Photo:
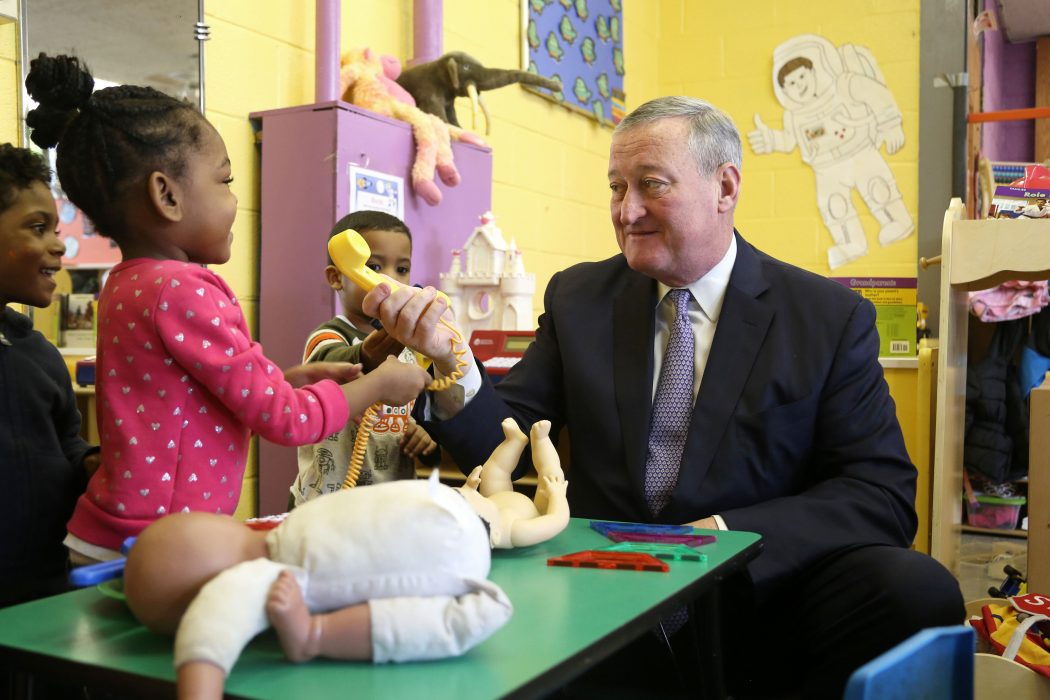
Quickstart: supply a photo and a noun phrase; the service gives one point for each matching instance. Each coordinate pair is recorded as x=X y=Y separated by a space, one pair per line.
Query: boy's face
x=391 y=256
x=30 y=251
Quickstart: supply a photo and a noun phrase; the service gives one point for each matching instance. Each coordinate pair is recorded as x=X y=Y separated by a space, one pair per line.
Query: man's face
x=800 y=85
x=672 y=223
x=30 y=251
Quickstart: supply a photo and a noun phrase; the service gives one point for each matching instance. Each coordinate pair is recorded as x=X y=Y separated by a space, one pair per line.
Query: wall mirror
x=141 y=42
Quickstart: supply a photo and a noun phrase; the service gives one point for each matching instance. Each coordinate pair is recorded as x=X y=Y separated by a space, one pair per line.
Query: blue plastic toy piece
x=94 y=574
x=604 y=527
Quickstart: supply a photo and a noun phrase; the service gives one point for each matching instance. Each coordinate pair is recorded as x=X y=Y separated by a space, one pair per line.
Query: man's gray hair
x=713 y=138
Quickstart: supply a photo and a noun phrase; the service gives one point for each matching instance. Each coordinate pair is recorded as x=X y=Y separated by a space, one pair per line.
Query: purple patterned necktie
x=672 y=408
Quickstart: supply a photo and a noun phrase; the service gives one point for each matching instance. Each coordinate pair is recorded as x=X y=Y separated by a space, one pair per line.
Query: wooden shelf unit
x=980 y=254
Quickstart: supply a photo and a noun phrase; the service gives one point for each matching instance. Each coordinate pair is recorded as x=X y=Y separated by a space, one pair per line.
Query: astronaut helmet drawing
x=838 y=111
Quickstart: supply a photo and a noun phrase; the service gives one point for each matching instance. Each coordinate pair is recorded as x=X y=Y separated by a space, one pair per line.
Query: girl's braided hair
x=108 y=141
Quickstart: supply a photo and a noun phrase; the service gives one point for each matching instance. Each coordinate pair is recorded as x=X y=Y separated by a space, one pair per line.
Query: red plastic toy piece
x=266 y=522
x=629 y=561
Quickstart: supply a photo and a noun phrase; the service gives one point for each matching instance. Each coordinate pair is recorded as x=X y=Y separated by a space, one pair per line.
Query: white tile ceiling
x=141 y=42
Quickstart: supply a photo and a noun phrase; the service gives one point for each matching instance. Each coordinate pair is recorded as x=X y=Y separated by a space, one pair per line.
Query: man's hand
x=416 y=441
x=313 y=372
x=707 y=523
x=413 y=317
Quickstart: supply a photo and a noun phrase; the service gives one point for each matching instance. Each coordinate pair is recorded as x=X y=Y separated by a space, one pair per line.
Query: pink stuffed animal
x=367 y=80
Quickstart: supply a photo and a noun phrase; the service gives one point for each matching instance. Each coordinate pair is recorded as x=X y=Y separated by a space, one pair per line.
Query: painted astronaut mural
x=838 y=111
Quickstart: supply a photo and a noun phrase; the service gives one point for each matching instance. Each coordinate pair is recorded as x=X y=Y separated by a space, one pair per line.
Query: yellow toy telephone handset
x=349 y=252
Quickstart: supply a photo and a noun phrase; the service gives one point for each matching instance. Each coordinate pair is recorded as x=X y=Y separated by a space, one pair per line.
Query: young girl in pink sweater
x=181 y=385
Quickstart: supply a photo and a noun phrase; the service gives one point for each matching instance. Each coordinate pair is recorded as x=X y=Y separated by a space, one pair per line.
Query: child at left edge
x=44 y=463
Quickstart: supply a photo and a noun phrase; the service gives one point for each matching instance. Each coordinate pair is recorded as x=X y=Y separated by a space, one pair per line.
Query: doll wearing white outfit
x=337 y=578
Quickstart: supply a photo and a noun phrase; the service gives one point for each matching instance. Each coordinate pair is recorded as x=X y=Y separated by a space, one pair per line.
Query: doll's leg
x=341 y=634
x=495 y=474
x=545 y=459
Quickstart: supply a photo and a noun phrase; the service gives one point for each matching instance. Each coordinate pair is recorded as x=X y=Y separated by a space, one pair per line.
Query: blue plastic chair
x=933 y=664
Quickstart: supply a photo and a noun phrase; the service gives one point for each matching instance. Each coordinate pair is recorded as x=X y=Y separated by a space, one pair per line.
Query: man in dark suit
x=789 y=431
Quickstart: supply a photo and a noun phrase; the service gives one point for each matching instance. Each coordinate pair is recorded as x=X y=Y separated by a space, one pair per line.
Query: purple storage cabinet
x=306 y=156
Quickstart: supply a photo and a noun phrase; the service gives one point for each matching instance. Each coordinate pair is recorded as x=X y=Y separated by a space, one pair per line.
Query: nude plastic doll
x=340 y=577
x=514 y=520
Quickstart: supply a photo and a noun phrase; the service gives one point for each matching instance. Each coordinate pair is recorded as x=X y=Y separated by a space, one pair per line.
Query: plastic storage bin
x=994 y=512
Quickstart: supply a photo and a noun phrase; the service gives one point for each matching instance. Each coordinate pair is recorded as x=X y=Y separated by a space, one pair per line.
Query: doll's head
x=390 y=243
x=30 y=251
x=176 y=555
x=144 y=167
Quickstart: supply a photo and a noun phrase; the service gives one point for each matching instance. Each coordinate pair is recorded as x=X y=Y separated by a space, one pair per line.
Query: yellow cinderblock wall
x=549 y=189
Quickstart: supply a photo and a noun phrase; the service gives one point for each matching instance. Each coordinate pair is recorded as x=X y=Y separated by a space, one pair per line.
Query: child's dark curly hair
x=19 y=169
x=110 y=141
x=366 y=220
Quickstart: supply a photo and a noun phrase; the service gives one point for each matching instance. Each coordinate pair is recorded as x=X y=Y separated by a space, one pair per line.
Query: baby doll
x=513 y=519
x=338 y=578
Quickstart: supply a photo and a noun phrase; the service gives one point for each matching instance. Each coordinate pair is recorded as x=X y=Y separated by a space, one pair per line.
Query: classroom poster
x=580 y=43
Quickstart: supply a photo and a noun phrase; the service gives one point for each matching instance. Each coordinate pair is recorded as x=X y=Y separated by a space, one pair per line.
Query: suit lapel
x=742 y=327
x=634 y=319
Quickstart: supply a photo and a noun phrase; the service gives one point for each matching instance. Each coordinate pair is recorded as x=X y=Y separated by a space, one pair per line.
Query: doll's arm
x=413 y=629
x=529 y=531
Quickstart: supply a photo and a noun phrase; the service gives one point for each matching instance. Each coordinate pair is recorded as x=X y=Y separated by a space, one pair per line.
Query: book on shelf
x=77 y=321
x=895 y=301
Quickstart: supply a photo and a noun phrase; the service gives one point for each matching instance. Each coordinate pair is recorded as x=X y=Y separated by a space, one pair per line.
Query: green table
x=565 y=621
